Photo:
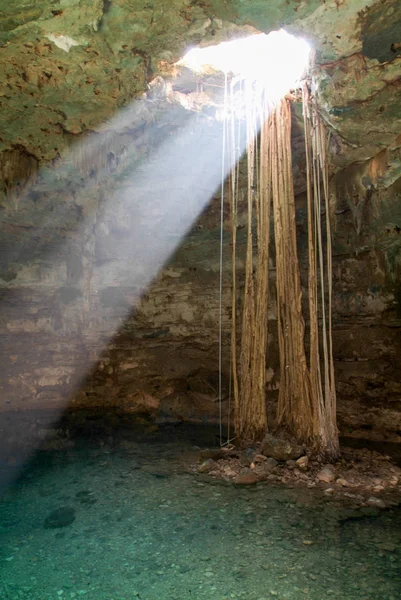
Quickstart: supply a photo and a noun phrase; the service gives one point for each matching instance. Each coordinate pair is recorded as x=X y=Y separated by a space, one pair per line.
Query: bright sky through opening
x=277 y=60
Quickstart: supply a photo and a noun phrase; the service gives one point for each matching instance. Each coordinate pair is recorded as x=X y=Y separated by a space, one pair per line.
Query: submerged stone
x=61 y=517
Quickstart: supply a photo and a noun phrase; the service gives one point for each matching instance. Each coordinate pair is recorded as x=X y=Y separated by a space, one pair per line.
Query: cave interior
x=116 y=292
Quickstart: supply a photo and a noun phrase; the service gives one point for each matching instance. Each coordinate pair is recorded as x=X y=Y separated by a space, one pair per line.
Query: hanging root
x=295 y=404
x=250 y=382
x=325 y=434
x=307 y=399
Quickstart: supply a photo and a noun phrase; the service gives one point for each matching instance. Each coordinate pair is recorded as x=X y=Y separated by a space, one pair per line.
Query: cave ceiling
x=68 y=65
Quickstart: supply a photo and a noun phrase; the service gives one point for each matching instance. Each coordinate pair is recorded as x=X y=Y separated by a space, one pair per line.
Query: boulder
x=280 y=449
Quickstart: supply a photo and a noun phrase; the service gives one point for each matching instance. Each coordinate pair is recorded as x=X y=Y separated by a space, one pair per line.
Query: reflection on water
x=134 y=522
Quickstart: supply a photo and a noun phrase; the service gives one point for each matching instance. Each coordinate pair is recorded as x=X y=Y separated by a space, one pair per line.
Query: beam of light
x=160 y=198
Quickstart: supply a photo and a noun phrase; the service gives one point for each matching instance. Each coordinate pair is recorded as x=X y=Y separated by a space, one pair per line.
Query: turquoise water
x=137 y=523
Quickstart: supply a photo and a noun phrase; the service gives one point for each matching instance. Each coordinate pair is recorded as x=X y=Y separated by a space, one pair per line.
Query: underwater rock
x=86 y=497
x=61 y=517
x=279 y=449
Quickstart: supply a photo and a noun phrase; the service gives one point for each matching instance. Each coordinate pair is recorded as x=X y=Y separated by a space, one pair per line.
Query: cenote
x=200 y=266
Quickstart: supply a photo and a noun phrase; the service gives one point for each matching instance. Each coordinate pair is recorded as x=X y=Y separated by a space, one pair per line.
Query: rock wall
x=80 y=301
x=82 y=242
x=367 y=300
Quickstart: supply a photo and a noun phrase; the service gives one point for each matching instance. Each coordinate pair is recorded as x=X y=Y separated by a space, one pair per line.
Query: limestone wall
x=83 y=326
x=83 y=320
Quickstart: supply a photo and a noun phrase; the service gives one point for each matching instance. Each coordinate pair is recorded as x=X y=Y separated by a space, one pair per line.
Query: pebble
x=271 y=463
x=259 y=458
x=302 y=463
x=349 y=495
x=376 y=502
x=299 y=475
x=246 y=479
x=342 y=482
x=327 y=474
x=229 y=472
x=207 y=466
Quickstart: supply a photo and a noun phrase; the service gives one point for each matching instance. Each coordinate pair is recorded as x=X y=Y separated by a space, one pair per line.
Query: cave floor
x=133 y=522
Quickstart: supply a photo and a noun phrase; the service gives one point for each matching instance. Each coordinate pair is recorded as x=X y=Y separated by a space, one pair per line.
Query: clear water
x=147 y=528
